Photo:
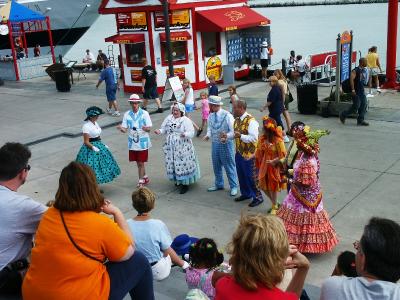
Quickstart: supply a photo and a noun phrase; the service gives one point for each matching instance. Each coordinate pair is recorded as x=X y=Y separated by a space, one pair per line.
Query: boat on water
x=69 y=22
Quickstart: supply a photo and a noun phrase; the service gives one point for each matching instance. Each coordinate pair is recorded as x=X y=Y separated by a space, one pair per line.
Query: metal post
x=338 y=60
x=351 y=52
x=168 y=38
x=391 y=45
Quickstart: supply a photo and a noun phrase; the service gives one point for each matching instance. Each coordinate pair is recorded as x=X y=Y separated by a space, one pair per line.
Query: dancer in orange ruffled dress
x=270 y=150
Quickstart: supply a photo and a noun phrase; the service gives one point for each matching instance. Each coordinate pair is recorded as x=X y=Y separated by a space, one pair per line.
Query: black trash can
x=62 y=80
x=307 y=98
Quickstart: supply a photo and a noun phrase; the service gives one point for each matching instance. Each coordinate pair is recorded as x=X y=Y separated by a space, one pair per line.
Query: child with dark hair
x=204 y=258
x=346 y=265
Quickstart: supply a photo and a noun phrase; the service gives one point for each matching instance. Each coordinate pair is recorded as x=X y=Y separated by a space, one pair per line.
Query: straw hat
x=135 y=98
x=215 y=100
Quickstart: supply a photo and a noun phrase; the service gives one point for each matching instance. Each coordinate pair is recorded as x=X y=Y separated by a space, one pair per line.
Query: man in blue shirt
x=110 y=77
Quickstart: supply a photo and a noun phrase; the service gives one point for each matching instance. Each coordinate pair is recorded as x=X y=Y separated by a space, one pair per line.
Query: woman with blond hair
x=82 y=254
x=282 y=82
x=260 y=253
x=275 y=104
x=188 y=100
x=233 y=97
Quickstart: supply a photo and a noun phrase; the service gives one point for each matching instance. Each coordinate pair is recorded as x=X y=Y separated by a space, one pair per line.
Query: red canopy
x=225 y=19
x=126 y=38
x=176 y=36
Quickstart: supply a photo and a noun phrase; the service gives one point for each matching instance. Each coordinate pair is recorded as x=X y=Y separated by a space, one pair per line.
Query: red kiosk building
x=205 y=35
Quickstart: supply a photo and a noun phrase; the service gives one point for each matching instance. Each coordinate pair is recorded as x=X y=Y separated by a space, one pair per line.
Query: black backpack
x=346 y=87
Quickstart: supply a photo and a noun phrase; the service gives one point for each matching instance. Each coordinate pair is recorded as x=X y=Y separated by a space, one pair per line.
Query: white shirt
x=189 y=97
x=138 y=139
x=358 y=288
x=252 y=135
x=93 y=130
x=264 y=52
x=88 y=58
x=230 y=121
x=172 y=125
x=301 y=65
x=19 y=219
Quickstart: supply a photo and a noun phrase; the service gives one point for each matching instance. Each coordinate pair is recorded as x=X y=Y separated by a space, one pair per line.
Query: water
x=305 y=29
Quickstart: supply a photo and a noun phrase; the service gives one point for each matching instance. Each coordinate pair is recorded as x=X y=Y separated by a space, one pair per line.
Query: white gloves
x=185 y=265
x=95 y=149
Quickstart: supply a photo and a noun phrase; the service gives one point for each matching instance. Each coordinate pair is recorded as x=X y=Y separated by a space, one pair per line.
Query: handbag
x=76 y=246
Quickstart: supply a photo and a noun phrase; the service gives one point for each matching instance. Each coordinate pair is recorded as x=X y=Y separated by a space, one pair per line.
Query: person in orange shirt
x=270 y=149
x=82 y=254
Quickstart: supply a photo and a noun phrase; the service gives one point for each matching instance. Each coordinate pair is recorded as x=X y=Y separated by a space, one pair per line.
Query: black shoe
x=241 y=198
x=160 y=110
x=101 y=191
x=255 y=202
x=342 y=118
x=362 y=123
x=184 y=189
x=199 y=132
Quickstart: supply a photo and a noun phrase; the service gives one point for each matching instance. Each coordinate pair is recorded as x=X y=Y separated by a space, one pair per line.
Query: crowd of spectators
x=81 y=247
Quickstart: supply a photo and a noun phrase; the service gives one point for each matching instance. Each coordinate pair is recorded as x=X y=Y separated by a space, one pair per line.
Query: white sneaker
x=116 y=114
x=109 y=111
x=378 y=90
x=370 y=95
x=286 y=139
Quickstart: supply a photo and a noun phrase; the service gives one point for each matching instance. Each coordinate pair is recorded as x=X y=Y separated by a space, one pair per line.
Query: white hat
x=215 y=100
x=135 y=98
x=180 y=106
x=264 y=44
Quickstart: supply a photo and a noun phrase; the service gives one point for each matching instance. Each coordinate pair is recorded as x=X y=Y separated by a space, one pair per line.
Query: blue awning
x=16 y=12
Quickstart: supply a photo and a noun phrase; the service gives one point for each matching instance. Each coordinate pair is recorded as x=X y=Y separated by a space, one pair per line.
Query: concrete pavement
x=360 y=166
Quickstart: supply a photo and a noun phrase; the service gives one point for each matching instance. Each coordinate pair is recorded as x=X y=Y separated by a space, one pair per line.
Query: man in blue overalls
x=220 y=131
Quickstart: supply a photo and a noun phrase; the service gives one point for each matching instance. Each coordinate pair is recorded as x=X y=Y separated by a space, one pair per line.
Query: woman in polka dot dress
x=93 y=152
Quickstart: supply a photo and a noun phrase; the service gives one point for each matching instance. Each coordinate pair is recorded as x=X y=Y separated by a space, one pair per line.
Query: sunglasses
x=28 y=167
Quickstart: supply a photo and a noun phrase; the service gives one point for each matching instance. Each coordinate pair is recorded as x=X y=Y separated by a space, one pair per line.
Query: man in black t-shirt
x=149 y=86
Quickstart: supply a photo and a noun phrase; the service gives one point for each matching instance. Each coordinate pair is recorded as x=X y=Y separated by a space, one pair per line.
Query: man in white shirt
x=377 y=264
x=246 y=138
x=264 y=59
x=89 y=58
x=301 y=66
x=220 y=131
x=138 y=124
x=19 y=217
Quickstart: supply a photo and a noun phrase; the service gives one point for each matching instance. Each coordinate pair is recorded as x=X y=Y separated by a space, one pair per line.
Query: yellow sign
x=180 y=72
x=136 y=75
x=132 y=21
x=178 y=19
x=214 y=67
x=139 y=19
x=231 y=28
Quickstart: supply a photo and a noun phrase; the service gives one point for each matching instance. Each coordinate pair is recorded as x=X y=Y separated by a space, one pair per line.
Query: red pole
x=53 y=56
x=24 y=35
x=10 y=34
x=391 y=75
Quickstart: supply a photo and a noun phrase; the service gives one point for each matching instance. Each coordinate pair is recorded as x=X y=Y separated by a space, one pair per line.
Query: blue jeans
x=278 y=120
x=133 y=276
x=359 y=106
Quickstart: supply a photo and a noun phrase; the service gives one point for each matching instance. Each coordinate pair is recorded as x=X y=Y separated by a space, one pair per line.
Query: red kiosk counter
x=205 y=35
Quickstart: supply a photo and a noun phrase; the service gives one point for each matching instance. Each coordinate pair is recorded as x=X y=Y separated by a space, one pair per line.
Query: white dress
x=180 y=158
